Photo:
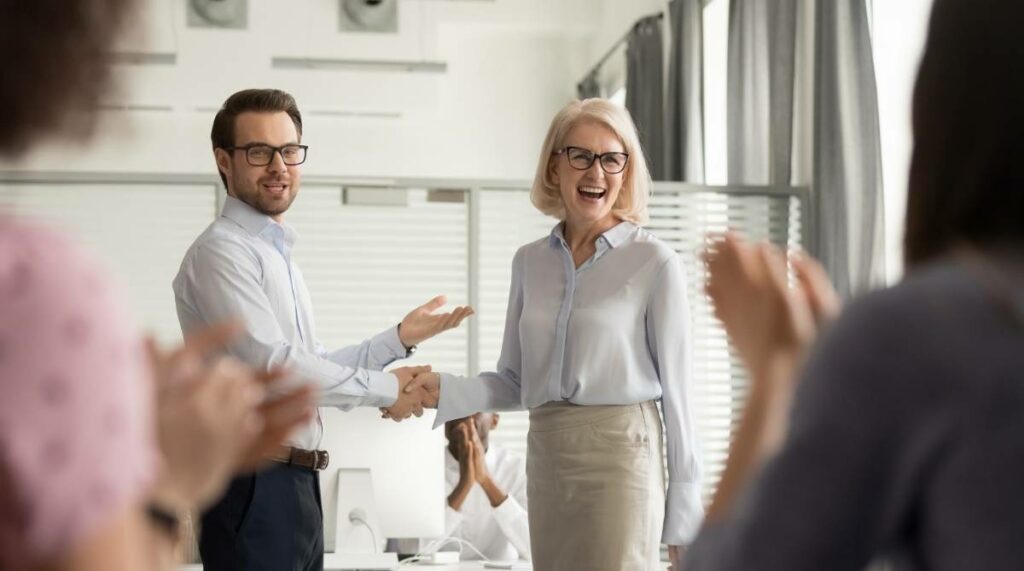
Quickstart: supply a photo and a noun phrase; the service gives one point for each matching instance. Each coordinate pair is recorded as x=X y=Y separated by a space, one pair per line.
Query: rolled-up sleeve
x=670 y=347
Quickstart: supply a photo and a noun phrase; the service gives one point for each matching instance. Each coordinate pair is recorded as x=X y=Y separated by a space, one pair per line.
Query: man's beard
x=254 y=197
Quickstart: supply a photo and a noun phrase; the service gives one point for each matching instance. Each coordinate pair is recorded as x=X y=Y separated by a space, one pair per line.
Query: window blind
x=140 y=230
x=683 y=219
x=369 y=262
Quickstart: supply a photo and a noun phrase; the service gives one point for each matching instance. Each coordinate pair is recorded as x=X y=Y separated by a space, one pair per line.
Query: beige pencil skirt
x=595 y=487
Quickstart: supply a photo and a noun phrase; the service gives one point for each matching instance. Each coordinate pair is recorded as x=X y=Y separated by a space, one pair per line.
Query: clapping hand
x=472 y=465
x=479 y=456
x=767 y=321
x=466 y=454
x=212 y=417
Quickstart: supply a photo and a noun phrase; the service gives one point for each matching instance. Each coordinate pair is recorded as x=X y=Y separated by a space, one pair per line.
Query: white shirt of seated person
x=501 y=532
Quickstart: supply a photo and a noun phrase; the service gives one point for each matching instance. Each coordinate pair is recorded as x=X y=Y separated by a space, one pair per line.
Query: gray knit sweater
x=906 y=440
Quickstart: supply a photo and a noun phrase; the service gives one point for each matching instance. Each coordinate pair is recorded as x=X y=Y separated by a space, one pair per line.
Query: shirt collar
x=619 y=234
x=614 y=236
x=257 y=223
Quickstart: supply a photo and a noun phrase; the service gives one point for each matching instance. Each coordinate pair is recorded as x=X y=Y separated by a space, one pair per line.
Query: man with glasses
x=241 y=268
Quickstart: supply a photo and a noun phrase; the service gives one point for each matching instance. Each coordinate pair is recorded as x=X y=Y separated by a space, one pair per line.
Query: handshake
x=418 y=388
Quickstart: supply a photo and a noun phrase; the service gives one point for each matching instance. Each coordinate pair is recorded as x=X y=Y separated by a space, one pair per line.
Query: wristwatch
x=409 y=351
x=165 y=520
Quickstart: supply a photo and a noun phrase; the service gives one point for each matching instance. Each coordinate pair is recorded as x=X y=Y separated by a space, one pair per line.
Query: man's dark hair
x=56 y=69
x=967 y=171
x=250 y=100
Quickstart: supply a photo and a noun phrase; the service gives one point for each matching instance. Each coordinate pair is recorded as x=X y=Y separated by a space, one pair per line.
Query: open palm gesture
x=422 y=323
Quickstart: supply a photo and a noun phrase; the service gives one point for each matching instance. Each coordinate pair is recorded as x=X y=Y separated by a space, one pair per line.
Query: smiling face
x=269 y=189
x=590 y=194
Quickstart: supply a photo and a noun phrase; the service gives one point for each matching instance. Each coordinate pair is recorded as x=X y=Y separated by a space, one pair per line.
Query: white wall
x=511 y=65
x=899 y=34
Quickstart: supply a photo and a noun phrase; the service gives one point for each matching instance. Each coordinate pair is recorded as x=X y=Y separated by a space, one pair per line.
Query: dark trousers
x=271 y=520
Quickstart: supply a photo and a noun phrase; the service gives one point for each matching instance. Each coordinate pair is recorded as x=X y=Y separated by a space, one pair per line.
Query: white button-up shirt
x=614 y=331
x=240 y=268
x=500 y=533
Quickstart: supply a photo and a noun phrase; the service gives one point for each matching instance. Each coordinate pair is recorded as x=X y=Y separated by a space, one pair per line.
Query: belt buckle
x=322 y=459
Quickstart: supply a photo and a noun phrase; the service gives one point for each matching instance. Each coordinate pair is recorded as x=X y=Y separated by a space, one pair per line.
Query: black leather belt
x=309 y=459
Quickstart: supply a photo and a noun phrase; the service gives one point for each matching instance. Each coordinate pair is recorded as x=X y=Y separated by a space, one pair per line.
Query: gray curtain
x=748 y=101
x=847 y=150
x=644 y=85
x=761 y=64
x=684 y=109
x=589 y=87
x=847 y=176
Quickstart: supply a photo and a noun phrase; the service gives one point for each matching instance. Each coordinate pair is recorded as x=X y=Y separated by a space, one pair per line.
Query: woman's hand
x=813 y=282
x=771 y=326
x=213 y=419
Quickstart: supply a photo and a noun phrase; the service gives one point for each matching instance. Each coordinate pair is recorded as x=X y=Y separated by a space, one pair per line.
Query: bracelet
x=166 y=521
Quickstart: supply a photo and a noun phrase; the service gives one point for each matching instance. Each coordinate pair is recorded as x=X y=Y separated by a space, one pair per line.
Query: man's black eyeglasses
x=260 y=155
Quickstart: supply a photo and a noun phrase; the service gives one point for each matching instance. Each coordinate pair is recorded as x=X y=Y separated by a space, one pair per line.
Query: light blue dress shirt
x=240 y=268
x=612 y=332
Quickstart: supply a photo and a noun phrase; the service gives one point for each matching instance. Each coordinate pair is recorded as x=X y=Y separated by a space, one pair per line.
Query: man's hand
x=422 y=323
x=495 y=494
x=465 y=454
x=425 y=384
x=410 y=401
x=407 y=374
x=430 y=383
x=480 y=471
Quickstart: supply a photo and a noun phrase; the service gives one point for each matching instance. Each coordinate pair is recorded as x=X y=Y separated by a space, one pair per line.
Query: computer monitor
x=406 y=462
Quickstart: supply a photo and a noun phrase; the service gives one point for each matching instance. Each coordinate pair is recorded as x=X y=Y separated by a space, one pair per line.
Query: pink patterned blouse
x=77 y=443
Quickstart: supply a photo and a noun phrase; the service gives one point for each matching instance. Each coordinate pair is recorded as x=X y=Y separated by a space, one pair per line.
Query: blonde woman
x=595 y=334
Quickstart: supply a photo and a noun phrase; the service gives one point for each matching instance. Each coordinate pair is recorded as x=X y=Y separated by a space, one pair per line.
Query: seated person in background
x=486 y=489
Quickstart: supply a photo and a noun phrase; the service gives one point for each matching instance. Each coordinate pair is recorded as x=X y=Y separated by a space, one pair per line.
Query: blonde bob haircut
x=631 y=203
